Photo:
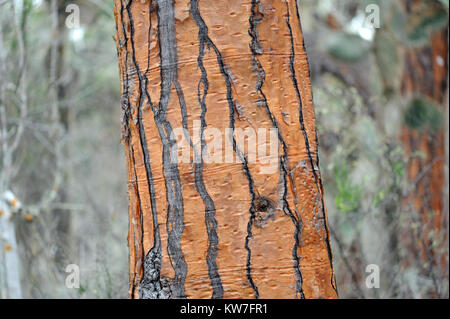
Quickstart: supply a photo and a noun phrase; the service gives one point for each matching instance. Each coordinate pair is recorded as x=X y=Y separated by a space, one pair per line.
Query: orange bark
x=221 y=230
x=426 y=74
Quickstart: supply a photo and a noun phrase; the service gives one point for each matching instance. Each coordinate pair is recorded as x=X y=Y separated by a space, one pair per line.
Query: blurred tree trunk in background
x=385 y=216
x=59 y=116
x=10 y=266
x=223 y=230
x=424 y=85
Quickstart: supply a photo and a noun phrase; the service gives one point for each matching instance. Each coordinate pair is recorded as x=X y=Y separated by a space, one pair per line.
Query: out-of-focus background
x=379 y=72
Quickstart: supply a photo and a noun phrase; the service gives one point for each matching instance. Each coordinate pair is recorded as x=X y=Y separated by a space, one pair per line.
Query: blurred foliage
x=357 y=74
x=93 y=154
x=423 y=113
x=348 y=47
x=348 y=196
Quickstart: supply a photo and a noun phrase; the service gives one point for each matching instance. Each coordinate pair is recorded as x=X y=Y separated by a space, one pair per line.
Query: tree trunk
x=244 y=226
x=9 y=257
x=426 y=75
x=60 y=120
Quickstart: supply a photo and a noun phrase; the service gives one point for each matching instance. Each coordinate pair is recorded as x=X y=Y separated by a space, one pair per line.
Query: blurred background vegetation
x=381 y=101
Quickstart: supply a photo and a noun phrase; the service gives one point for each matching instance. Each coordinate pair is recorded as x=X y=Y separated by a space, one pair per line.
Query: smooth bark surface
x=220 y=230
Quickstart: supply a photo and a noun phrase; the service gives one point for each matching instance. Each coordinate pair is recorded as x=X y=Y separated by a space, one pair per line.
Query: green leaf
x=396 y=19
x=347 y=47
x=423 y=113
x=419 y=36
x=421 y=26
x=348 y=195
x=416 y=114
x=434 y=22
x=388 y=59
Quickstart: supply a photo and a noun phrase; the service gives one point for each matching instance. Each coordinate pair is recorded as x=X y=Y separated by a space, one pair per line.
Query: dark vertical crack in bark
x=210 y=211
x=203 y=30
x=255 y=47
x=152 y=257
x=125 y=120
x=317 y=179
x=140 y=258
x=152 y=285
x=175 y=209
